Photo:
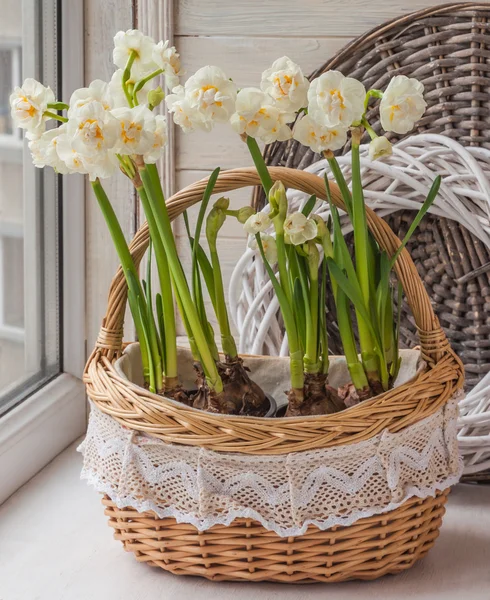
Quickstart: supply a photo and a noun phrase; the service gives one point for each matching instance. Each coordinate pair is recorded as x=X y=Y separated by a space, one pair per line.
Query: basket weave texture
x=384 y=544
x=447 y=49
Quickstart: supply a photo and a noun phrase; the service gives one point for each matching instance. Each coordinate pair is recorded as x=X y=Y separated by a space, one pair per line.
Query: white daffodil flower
x=93 y=129
x=44 y=150
x=335 y=100
x=258 y=116
x=298 y=229
x=97 y=91
x=184 y=115
x=101 y=166
x=116 y=91
x=167 y=58
x=136 y=132
x=284 y=81
x=269 y=245
x=319 y=137
x=212 y=94
x=159 y=140
x=402 y=104
x=379 y=147
x=256 y=223
x=133 y=40
x=28 y=105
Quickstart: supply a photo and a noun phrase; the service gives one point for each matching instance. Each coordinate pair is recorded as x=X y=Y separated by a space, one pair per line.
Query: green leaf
x=196 y=276
x=354 y=296
x=187 y=225
x=287 y=312
x=341 y=182
x=309 y=206
x=397 y=360
x=299 y=312
x=382 y=292
x=161 y=324
x=431 y=196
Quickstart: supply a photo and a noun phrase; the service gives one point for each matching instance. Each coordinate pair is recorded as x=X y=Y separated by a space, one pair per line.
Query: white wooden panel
x=306 y=18
x=103 y=18
x=232 y=228
x=244 y=58
x=221 y=147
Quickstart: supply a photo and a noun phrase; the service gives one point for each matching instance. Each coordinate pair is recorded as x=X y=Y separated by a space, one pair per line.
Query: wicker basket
x=371 y=547
x=446 y=48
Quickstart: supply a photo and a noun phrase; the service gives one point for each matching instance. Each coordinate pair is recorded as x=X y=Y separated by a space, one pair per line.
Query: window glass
x=29 y=213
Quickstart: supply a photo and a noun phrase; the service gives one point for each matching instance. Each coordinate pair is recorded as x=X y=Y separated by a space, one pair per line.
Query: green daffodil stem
x=312 y=364
x=372 y=134
x=371 y=94
x=127 y=265
x=259 y=163
x=165 y=287
x=279 y=206
x=125 y=77
x=140 y=84
x=336 y=252
x=52 y=115
x=151 y=183
x=362 y=255
x=214 y=222
x=295 y=350
x=327 y=247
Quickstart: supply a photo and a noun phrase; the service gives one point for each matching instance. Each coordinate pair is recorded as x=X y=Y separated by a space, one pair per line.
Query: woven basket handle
x=432 y=338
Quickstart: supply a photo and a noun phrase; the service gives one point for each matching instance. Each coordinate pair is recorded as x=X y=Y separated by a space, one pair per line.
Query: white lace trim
x=285 y=493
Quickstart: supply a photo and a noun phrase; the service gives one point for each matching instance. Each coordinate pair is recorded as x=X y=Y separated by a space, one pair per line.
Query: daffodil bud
x=313 y=256
x=380 y=147
x=320 y=225
x=155 y=97
x=244 y=213
x=278 y=201
x=215 y=220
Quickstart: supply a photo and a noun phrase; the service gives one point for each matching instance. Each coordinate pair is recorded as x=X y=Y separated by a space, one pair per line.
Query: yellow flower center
x=393 y=109
x=283 y=80
x=336 y=95
x=207 y=99
x=30 y=109
x=129 y=135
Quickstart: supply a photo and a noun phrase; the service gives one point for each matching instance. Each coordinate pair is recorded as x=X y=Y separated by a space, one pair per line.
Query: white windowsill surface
x=55 y=545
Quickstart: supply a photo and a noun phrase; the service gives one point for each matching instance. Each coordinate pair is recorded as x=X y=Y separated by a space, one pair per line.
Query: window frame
x=54 y=415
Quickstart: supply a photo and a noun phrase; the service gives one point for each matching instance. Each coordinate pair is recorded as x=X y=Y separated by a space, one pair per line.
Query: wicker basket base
x=245 y=550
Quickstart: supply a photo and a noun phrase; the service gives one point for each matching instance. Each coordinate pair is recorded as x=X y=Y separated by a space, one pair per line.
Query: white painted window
x=42 y=405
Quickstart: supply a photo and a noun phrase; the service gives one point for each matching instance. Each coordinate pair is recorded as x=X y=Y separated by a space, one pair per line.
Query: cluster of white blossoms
x=298 y=229
x=106 y=120
x=264 y=113
x=336 y=103
x=328 y=107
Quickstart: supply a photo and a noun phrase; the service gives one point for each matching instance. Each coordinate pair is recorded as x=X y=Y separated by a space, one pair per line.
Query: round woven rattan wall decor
x=447 y=48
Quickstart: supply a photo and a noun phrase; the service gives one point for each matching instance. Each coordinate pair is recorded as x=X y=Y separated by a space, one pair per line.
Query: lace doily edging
x=226 y=515
x=200 y=524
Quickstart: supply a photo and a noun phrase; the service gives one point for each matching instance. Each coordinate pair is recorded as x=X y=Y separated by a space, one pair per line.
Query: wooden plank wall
x=243 y=37
x=102 y=19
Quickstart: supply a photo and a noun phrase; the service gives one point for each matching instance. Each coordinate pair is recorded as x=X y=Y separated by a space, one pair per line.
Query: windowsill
x=60 y=548
x=37 y=430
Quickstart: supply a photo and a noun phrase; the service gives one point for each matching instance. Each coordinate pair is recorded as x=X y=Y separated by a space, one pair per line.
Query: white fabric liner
x=285 y=493
x=270 y=372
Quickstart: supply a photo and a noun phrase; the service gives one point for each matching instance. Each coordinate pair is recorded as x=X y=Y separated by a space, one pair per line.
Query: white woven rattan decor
x=398 y=182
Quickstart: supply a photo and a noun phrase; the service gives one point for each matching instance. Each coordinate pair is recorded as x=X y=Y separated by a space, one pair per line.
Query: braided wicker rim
x=245 y=551
x=138 y=409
